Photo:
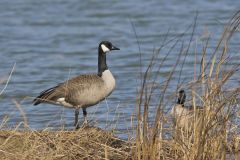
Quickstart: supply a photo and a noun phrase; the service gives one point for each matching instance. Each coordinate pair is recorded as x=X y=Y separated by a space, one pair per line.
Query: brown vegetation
x=85 y=143
x=214 y=134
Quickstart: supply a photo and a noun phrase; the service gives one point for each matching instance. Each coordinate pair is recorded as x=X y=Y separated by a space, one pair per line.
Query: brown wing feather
x=67 y=89
x=49 y=96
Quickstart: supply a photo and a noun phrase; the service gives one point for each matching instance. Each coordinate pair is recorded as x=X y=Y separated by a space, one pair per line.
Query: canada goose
x=183 y=115
x=85 y=90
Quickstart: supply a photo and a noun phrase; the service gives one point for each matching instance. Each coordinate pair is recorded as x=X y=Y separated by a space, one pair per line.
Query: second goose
x=85 y=90
x=183 y=115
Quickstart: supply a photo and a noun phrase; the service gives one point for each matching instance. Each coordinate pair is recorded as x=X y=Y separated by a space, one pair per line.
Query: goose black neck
x=181 y=97
x=102 y=65
x=180 y=101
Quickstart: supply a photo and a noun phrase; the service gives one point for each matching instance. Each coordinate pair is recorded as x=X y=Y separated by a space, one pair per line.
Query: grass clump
x=213 y=134
x=85 y=143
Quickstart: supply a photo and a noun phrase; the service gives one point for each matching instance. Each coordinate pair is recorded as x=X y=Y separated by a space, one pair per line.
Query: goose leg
x=76 y=124
x=85 y=116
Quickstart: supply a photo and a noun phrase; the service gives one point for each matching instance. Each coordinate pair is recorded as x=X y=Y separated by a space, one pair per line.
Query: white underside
x=62 y=102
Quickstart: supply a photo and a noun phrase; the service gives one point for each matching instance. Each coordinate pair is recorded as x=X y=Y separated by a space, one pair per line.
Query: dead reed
x=85 y=143
x=211 y=135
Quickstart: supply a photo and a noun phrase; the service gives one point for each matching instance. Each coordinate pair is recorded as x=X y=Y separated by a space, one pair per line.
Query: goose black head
x=181 y=97
x=106 y=46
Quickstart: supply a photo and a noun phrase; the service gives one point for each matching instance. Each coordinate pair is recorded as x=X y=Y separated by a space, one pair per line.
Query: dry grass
x=214 y=134
x=85 y=143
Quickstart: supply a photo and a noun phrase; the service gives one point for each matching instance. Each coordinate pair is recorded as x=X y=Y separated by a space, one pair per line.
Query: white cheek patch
x=104 y=48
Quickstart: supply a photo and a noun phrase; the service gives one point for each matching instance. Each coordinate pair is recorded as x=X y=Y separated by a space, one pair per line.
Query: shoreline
x=88 y=142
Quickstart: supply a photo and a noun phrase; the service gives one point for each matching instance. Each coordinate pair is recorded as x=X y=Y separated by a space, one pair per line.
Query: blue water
x=51 y=41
